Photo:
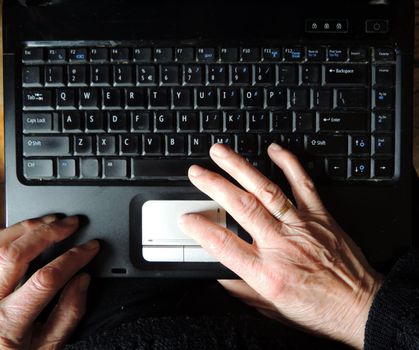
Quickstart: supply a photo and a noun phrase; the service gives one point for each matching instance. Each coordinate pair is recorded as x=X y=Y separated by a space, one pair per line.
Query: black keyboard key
x=247 y=144
x=152 y=145
x=182 y=98
x=142 y=54
x=72 y=121
x=250 y=54
x=358 y=55
x=281 y=121
x=318 y=145
x=341 y=121
x=383 y=144
x=351 y=98
x=315 y=54
x=211 y=121
x=321 y=98
x=293 y=54
x=257 y=121
x=337 y=167
x=89 y=168
x=88 y=98
x=193 y=74
x=266 y=140
x=111 y=98
x=56 y=55
x=346 y=74
x=361 y=144
x=140 y=122
x=100 y=75
x=298 y=98
x=115 y=168
x=123 y=75
x=45 y=146
x=383 y=98
x=94 y=121
x=252 y=97
x=159 y=98
x=175 y=145
x=241 y=74
x=77 y=75
x=100 y=54
x=54 y=76
x=117 y=121
x=135 y=98
x=264 y=74
x=169 y=75
x=272 y=54
x=83 y=145
x=383 y=121
x=229 y=54
x=217 y=74
x=66 y=98
x=384 y=54
x=146 y=75
x=206 y=97
x=384 y=75
x=223 y=139
x=32 y=55
x=384 y=168
x=37 y=99
x=128 y=145
x=164 y=121
x=234 y=121
x=276 y=97
x=163 y=54
x=360 y=168
x=37 y=122
x=78 y=55
x=229 y=98
x=206 y=54
x=31 y=76
x=198 y=145
x=187 y=121
x=120 y=54
x=310 y=74
x=304 y=121
x=105 y=145
x=288 y=74
x=66 y=168
x=38 y=168
x=337 y=54
x=185 y=54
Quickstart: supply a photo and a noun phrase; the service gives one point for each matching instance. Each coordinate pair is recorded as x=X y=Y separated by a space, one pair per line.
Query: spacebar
x=176 y=169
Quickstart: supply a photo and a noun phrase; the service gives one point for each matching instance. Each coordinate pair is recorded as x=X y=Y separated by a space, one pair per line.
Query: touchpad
x=163 y=241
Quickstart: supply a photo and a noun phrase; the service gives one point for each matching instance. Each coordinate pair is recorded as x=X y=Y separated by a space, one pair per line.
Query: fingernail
x=219 y=151
x=84 y=282
x=47 y=219
x=94 y=244
x=196 y=170
x=70 y=220
x=275 y=147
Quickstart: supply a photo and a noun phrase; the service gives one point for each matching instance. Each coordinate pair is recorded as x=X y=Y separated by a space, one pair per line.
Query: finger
x=268 y=193
x=23 y=306
x=16 y=256
x=241 y=205
x=302 y=186
x=66 y=315
x=11 y=233
x=233 y=252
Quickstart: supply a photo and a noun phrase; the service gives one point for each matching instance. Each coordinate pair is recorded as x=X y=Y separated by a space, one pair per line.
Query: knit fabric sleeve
x=393 y=320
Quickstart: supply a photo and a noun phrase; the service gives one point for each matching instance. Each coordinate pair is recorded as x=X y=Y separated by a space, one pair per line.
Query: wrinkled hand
x=302 y=269
x=19 y=245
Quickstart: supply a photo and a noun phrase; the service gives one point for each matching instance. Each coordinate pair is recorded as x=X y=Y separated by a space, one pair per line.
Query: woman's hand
x=19 y=245
x=301 y=269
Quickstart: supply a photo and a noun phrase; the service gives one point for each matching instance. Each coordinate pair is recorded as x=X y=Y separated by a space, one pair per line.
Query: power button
x=377 y=26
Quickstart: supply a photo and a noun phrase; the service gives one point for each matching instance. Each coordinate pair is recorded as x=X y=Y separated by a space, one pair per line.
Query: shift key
x=327 y=144
x=46 y=146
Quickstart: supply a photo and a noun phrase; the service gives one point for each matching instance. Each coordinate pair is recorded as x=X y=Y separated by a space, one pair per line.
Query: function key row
x=205 y=54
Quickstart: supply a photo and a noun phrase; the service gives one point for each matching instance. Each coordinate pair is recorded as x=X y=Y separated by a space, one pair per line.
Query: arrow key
x=336 y=168
x=384 y=168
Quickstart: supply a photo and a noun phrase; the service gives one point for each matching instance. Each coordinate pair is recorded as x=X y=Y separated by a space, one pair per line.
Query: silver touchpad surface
x=163 y=241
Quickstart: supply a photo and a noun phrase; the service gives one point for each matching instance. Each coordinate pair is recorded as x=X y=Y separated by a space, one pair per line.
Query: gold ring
x=278 y=214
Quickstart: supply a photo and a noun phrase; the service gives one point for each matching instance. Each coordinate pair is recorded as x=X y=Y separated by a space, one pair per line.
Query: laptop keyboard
x=147 y=113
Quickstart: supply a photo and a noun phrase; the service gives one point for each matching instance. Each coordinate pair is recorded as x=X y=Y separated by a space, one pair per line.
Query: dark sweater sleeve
x=393 y=320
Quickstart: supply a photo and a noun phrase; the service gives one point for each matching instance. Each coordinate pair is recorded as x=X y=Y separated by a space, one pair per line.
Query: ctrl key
x=38 y=169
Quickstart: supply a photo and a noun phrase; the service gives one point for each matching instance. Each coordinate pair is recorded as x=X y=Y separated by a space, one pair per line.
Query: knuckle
x=47 y=278
x=269 y=193
x=31 y=224
x=10 y=254
x=8 y=344
x=307 y=184
x=247 y=205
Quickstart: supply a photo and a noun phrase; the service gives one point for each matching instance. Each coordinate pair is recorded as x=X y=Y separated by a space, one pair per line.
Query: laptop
x=107 y=104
